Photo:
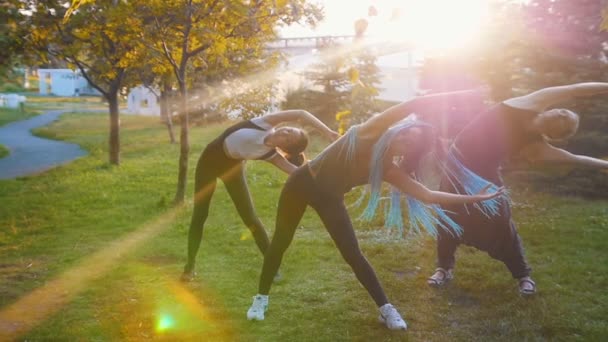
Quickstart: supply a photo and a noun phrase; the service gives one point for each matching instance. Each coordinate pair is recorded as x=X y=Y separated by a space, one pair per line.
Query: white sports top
x=248 y=143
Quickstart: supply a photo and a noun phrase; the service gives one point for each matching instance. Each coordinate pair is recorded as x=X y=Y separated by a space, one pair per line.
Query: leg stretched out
x=299 y=192
x=204 y=185
x=236 y=185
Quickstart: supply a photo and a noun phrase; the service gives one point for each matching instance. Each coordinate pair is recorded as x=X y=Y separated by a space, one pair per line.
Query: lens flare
x=246 y=235
x=165 y=322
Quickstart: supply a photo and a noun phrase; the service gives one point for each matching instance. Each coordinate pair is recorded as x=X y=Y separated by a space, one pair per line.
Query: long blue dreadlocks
x=422 y=217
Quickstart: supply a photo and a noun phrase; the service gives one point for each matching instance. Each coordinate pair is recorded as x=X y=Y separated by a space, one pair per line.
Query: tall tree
x=365 y=82
x=241 y=83
x=12 y=31
x=331 y=77
x=156 y=75
x=346 y=83
x=190 y=33
x=97 y=40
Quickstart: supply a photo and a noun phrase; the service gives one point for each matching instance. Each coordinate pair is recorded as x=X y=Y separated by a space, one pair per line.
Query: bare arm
x=407 y=184
x=279 y=161
x=424 y=107
x=303 y=117
x=544 y=152
x=541 y=99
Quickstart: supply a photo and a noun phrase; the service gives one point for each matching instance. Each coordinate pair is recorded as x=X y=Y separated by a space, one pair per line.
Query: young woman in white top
x=224 y=158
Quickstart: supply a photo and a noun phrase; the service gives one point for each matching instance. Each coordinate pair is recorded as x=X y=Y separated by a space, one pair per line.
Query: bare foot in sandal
x=440 y=277
x=527 y=286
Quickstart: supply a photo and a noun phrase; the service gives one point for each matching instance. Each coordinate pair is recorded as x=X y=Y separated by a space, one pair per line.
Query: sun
x=435 y=25
x=432 y=24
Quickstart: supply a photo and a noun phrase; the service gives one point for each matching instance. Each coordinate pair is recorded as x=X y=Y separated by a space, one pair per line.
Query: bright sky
x=427 y=23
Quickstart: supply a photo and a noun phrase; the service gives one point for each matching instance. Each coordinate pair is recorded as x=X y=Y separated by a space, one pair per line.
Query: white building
x=142 y=101
x=11 y=100
x=63 y=82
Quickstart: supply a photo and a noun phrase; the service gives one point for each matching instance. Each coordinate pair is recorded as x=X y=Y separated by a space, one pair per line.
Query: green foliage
x=366 y=88
x=210 y=39
x=12 y=87
x=304 y=98
x=345 y=80
x=4 y=151
x=332 y=81
x=97 y=39
x=12 y=44
x=249 y=103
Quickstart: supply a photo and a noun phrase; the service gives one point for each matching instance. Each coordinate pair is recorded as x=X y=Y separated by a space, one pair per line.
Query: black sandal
x=524 y=291
x=187 y=277
x=439 y=282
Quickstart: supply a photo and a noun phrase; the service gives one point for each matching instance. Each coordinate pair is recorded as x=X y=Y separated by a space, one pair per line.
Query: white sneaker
x=258 y=308
x=392 y=318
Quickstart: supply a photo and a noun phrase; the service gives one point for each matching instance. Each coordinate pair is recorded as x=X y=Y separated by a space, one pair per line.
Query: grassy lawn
x=96 y=251
x=36 y=104
x=35 y=101
x=8 y=115
x=3 y=151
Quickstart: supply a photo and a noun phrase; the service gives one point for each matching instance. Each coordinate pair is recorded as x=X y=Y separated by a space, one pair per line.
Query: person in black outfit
x=225 y=157
x=346 y=163
x=520 y=125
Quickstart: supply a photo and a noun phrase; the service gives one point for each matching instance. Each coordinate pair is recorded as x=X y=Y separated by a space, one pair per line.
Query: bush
x=11 y=88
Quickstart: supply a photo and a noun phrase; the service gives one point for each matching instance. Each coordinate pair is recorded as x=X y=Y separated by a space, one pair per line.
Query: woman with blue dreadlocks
x=521 y=125
x=371 y=152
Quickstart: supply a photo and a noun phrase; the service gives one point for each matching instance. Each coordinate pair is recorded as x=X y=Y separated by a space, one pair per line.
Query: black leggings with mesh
x=496 y=235
x=300 y=191
x=214 y=164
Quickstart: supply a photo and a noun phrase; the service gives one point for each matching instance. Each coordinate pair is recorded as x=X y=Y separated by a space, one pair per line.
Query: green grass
x=38 y=102
x=8 y=115
x=4 y=151
x=54 y=222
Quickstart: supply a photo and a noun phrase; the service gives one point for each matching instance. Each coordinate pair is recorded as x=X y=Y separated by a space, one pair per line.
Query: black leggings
x=299 y=191
x=214 y=164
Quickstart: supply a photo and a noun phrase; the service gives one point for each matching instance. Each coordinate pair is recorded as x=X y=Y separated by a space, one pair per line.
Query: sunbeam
x=38 y=305
x=242 y=85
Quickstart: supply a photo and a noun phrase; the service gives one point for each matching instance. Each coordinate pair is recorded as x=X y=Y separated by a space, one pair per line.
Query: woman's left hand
x=485 y=193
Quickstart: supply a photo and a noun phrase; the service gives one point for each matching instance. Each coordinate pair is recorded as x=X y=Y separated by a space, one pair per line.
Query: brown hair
x=295 y=152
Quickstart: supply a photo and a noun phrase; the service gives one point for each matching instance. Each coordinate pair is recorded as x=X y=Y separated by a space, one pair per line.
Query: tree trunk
x=184 y=147
x=114 y=128
x=165 y=111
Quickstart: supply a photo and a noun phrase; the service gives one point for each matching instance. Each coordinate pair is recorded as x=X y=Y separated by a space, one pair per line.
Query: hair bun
x=296 y=159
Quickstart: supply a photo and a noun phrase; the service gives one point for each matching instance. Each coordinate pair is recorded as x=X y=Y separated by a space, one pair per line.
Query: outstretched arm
x=279 y=161
x=544 y=152
x=424 y=107
x=407 y=184
x=541 y=99
x=303 y=117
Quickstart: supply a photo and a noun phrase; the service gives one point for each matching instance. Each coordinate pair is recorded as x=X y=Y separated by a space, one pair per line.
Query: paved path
x=30 y=154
